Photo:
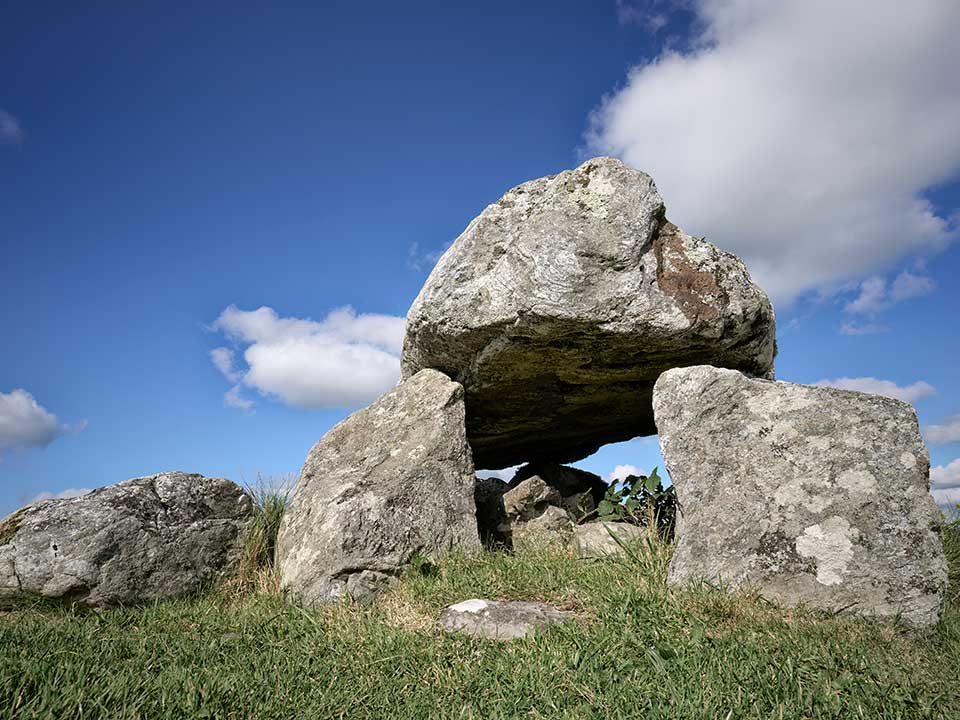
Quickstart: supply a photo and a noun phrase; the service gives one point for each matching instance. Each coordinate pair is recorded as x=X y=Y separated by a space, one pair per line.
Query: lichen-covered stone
x=810 y=494
x=160 y=536
x=391 y=481
x=560 y=305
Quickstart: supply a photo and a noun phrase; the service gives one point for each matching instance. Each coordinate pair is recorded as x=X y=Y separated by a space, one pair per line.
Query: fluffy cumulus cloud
x=943 y=433
x=621 y=472
x=344 y=360
x=945 y=485
x=10 y=131
x=25 y=423
x=908 y=393
x=801 y=134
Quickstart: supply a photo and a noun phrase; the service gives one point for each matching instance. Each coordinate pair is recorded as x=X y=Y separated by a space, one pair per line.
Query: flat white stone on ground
x=501 y=619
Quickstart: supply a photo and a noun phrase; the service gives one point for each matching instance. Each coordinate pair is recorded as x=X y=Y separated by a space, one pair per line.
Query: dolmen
x=569 y=314
x=572 y=313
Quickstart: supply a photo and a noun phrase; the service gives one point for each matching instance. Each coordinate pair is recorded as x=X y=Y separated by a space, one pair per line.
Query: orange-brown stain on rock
x=695 y=291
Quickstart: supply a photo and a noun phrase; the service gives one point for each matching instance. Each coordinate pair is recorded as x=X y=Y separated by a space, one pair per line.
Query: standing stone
x=160 y=536
x=391 y=481
x=810 y=494
x=560 y=305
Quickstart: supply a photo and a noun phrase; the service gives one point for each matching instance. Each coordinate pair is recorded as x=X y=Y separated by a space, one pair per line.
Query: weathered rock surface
x=500 y=619
x=392 y=480
x=532 y=504
x=530 y=498
x=599 y=539
x=160 y=536
x=553 y=518
x=810 y=494
x=560 y=305
x=567 y=480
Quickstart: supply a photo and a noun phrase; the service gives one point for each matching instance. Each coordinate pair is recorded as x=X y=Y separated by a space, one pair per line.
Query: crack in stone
x=13 y=566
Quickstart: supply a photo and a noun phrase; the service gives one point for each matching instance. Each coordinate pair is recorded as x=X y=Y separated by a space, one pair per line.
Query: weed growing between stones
x=641 y=500
x=256 y=568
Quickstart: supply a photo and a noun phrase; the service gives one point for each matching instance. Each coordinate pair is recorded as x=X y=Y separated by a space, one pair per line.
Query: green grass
x=641 y=651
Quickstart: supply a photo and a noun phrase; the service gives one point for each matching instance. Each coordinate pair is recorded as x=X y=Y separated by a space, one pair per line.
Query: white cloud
x=652 y=15
x=10 y=131
x=24 y=423
x=872 y=297
x=223 y=361
x=875 y=296
x=945 y=485
x=620 y=472
x=945 y=477
x=71 y=493
x=234 y=399
x=856 y=328
x=419 y=260
x=789 y=133
x=908 y=393
x=907 y=285
x=344 y=360
x=946 y=432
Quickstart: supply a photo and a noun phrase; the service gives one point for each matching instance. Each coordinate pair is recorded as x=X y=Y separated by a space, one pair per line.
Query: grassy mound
x=641 y=650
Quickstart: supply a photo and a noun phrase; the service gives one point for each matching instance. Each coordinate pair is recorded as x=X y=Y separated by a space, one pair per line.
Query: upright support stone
x=811 y=495
x=391 y=481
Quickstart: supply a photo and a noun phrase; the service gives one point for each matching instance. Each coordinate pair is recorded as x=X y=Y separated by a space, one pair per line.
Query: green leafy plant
x=641 y=500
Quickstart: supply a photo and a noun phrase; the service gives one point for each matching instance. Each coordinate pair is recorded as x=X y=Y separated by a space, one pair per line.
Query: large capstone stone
x=160 y=536
x=392 y=481
x=809 y=494
x=560 y=305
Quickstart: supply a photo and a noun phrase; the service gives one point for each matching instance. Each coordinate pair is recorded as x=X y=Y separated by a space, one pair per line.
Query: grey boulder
x=501 y=619
x=560 y=305
x=600 y=539
x=529 y=499
x=160 y=536
x=569 y=481
x=391 y=481
x=809 y=494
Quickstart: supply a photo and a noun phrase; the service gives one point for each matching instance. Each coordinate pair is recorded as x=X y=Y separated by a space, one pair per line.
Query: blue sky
x=162 y=164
